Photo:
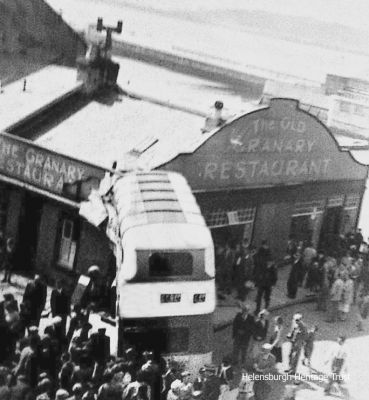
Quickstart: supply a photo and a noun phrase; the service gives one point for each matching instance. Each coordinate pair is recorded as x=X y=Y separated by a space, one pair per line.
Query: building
x=272 y=171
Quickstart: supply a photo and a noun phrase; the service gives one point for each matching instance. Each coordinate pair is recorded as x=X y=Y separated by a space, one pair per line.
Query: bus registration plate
x=170 y=298
x=199 y=298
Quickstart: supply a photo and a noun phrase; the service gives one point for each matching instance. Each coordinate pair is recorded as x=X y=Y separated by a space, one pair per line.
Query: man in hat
x=100 y=349
x=61 y=394
x=243 y=328
x=34 y=296
x=211 y=389
x=265 y=274
x=60 y=303
x=264 y=364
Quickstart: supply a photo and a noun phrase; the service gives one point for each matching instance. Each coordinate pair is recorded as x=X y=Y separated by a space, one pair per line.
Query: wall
x=14 y=209
x=38 y=26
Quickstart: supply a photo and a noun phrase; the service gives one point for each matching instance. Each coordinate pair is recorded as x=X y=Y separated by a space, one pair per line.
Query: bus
x=165 y=282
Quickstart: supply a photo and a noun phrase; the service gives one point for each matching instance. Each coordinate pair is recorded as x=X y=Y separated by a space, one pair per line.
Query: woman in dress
x=347 y=296
x=276 y=339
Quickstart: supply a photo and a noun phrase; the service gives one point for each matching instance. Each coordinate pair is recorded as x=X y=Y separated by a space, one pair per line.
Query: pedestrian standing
x=363 y=309
x=243 y=328
x=60 y=303
x=211 y=389
x=225 y=374
x=265 y=274
x=297 y=337
x=186 y=389
x=294 y=276
x=260 y=332
x=8 y=260
x=276 y=339
x=337 y=360
x=347 y=296
x=34 y=296
x=335 y=298
x=309 y=345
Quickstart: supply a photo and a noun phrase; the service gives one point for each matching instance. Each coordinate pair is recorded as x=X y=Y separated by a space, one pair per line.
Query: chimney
x=96 y=70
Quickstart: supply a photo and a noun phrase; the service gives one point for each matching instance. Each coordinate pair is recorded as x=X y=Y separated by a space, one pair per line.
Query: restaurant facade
x=273 y=174
x=40 y=193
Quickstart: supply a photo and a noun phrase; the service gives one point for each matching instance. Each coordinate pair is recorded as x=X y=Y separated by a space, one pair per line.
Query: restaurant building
x=274 y=173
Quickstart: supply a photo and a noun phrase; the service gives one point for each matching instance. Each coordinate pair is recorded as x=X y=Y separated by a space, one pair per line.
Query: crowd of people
x=69 y=360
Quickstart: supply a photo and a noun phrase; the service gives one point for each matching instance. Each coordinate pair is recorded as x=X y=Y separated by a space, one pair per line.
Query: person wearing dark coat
x=35 y=298
x=100 y=350
x=265 y=275
x=212 y=384
x=243 y=328
x=60 y=303
x=294 y=276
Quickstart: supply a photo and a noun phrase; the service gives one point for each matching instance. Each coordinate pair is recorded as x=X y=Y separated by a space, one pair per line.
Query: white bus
x=165 y=268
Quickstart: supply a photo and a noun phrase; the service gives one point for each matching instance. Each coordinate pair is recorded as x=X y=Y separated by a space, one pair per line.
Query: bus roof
x=155 y=197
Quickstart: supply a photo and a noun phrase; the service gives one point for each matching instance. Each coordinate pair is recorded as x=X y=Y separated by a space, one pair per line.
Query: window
x=344 y=106
x=68 y=244
x=219 y=218
x=170 y=264
x=178 y=340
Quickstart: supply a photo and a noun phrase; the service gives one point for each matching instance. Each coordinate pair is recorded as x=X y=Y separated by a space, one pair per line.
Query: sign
x=277 y=145
x=42 y=168
x=170 y=298
x=233 y=217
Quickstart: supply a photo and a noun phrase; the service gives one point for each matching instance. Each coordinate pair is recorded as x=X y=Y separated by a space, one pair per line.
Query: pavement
x=227 y=309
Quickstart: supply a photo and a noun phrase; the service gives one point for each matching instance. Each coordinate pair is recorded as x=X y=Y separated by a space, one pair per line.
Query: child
x=309 y=345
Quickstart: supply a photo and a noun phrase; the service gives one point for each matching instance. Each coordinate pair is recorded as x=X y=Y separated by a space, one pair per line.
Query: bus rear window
x=170 y=264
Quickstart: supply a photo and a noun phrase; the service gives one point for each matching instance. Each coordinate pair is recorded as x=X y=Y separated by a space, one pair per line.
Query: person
x=246 y=386
x=264 y=364
x=60 y=303
x=175 y=390
x=297 y=337
x=363 y=309
x=265 y=275
x=186 y=389
x=309 y=345
x=212 y=383
x=171 y=374
x=242 y=330
x=28 y=362
x=109 y=390
x=261 y=327
x=100 y=349
x=21 y=390
x=61 y=394
x=347 y=296
x=226 y=374
x=8 y=260
x=34 y=296
x=198 y=385
x=4 y=388
x=323 y=291
x=215 y=119
x=294 y=276
x=337 y=360
x=335 y=298
x=276 y=339
x=308 y=255
x=240 y=273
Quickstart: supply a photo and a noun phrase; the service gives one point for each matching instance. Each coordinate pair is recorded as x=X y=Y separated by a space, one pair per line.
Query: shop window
x=219 y=218
x=350 y=212
x=68 y=243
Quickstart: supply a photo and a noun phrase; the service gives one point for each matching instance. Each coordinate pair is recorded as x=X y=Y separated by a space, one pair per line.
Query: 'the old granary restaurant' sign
x=276 y=145
x=42 y=168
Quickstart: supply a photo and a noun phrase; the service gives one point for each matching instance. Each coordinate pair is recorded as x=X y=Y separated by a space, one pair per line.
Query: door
x=330 y=227
x=29 y=225
x=301 y=228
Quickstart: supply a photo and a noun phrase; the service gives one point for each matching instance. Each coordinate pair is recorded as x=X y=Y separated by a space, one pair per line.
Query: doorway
x=301 y=228
x=330 y=227
x=29 y=225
